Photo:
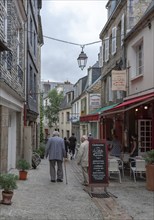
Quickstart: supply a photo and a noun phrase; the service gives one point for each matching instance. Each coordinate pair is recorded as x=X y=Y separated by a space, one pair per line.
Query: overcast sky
x=73 y=21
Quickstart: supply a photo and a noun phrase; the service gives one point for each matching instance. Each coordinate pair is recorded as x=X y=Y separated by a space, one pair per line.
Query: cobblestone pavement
x=129 y=200
x=39 y=199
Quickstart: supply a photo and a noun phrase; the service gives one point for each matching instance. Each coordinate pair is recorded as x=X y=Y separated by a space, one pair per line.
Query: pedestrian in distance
x=66 y=145
x=116 y=147
x=72 y=141
x=134 y=146
x=134 y=149
x=90 y=137
x=55 y=150
x=108 y=143
x=82 y=158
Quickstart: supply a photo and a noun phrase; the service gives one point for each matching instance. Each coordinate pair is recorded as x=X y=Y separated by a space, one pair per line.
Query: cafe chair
x=137 y=166
x=113 y=167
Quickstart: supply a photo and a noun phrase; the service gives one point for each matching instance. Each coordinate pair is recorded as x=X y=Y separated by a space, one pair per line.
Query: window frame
x=139 y=59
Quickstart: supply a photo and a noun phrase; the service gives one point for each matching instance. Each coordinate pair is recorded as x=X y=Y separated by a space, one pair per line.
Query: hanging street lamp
x=82 y=59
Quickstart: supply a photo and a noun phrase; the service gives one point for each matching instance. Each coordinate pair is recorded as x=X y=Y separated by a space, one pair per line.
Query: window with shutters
x=101 y=57
x=106 y=49
x=139 y=59
x=137 y=63
x=110 y=89
x=122 y=29
x=114 y=32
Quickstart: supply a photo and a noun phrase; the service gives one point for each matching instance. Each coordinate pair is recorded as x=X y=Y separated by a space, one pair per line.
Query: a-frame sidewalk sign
x=98 y=164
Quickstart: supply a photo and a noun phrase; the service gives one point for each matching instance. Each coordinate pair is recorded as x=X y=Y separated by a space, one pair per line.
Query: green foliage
x=23 y=165
x=41 y=150
x=8 y=181
x=41 y=118
x=150 y=156
x=52 y=110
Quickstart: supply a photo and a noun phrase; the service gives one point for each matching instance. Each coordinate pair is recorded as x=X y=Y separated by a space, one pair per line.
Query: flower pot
x=22 y=175
x=150 y=177
x=6 y=197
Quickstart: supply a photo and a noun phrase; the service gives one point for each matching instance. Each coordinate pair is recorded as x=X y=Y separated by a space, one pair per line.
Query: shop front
x=133 y=116
x=95 y=124
x=90 y=124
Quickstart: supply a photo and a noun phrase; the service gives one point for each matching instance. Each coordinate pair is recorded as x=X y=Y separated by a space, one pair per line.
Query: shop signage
x=95 y=101
x=119 y=80
x=98 y=163
x=74 y=118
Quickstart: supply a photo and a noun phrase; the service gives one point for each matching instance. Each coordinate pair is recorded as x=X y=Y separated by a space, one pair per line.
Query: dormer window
x=111 y=6
x=68 y=97
x=90 y=78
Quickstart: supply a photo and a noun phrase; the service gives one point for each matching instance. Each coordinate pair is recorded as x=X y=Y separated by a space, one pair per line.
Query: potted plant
x=150 y=170
x=23 y=166
x=8 y=183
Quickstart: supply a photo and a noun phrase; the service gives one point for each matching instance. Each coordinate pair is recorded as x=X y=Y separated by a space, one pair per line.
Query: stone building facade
x=15 y=90
x=34 y=41
x=122 y=18
x=12 y=82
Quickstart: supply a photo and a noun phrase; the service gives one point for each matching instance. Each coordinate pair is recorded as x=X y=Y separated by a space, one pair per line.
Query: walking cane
x=65 y=171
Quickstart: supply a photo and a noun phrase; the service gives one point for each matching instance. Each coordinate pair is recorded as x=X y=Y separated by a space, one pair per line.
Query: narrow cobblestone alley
x=39 y=199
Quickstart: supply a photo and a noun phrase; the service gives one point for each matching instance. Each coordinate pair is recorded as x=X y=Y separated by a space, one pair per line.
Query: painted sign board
x=98 y=162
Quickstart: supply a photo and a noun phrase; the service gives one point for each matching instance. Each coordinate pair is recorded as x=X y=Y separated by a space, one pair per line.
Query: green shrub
x=150 y=156
x=8 y=182
x=41 y=150
x=23 y=165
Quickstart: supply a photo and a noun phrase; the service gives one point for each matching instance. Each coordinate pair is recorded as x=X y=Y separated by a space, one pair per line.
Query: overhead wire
x=77 y=44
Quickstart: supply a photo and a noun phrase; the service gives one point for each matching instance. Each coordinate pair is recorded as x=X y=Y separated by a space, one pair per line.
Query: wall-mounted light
x=145 y=107
x=136 y=109
x=82 y=59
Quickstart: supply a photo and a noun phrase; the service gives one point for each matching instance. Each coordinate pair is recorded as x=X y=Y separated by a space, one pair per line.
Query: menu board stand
x=98 y=166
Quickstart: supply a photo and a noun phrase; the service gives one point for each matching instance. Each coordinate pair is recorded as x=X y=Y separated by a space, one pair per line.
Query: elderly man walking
x=55 y=149
x=82 y=158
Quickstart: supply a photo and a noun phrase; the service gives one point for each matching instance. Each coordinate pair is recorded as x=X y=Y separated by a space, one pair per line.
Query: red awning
x=92 y=117
x=131 y=103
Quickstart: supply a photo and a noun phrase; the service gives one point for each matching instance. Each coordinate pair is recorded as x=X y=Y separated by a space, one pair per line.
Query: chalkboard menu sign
x=98 y=162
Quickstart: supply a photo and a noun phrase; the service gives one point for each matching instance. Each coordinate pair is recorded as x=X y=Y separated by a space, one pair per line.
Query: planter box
x=150 y=177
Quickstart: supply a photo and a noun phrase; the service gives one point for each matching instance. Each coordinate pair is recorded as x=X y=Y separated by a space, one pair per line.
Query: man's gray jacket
x=55 y=148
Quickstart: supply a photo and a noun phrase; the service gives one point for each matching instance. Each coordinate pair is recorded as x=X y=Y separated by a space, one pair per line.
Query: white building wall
x=146 y=81
x=64 y=125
